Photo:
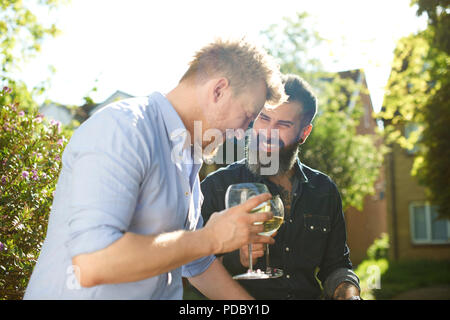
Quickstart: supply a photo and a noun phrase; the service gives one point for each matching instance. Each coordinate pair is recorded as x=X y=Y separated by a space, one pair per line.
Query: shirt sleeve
x=337 y=277
x=198 y=266
x=336 y=266
x=106 y=158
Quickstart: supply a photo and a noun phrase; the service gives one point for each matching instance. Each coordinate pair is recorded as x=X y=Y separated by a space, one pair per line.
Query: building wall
x=363 y=227
x=405 y=191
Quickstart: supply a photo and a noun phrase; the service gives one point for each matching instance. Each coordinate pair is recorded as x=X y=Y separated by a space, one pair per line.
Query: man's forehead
x=288 y=109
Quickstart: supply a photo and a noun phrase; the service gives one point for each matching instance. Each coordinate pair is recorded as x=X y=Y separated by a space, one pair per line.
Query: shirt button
x=287 y=249
x=290 y=220
x=288 y=276
x=312 y=227
x=186 y=193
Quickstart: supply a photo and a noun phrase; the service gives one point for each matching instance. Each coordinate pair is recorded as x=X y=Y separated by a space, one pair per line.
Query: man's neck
x=185 y=105
x=284 y=180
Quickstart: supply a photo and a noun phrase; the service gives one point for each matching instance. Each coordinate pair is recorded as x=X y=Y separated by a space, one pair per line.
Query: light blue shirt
x=122 y=171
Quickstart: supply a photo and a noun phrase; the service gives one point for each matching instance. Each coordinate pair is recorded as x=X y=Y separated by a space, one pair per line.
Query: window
x=410 y=129
x=426 y=228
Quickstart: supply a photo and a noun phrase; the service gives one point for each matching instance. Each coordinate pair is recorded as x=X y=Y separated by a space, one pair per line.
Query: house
x=57 y=112
x=65 y=115
x=116 y=96
x=415 y=232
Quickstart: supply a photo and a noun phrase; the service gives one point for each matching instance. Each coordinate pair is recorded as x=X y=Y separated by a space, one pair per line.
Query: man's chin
x=286 y=160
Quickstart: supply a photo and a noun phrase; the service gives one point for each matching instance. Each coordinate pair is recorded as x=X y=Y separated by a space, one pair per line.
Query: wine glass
x=277 y=208
x=239 y=193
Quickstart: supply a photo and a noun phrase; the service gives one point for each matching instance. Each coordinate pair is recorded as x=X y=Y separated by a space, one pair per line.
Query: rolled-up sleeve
x=107 y=168
x=336 y=266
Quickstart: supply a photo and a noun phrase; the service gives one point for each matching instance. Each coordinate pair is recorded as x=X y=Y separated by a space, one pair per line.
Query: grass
x=397 y=277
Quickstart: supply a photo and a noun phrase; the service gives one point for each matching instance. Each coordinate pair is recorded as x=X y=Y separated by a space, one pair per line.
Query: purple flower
x=38 y=118
x=57 y=124
x=34 y=175
x=57 y=158
x=7 y=127
x=21 y=113
x=60 y=142
x=2 y=246
x=3 y=179
x=25 y=174
x=7 y=90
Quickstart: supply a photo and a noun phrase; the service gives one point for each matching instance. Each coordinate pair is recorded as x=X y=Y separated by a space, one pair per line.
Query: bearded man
x=311 y=244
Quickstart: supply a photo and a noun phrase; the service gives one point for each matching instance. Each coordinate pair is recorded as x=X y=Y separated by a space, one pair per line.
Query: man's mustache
x=269 y=141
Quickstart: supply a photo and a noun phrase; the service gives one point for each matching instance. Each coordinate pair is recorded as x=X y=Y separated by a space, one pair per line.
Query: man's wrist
x=345 y=291
x=208 y=240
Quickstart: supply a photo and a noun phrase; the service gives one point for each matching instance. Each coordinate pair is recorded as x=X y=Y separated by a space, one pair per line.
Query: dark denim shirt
x=311 y=243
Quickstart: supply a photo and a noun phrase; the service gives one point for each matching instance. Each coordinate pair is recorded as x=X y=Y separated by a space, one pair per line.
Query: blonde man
x=125 y=221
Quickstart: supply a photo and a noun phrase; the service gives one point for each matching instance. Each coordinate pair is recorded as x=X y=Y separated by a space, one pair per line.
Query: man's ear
x=305 y=133
x=220 y=85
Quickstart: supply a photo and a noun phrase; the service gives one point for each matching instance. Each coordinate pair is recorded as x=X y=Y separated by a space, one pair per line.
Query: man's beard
x=287 y=156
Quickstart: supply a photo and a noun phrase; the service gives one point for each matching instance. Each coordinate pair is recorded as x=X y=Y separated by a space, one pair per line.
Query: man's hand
x=234 y=228
x=345 y=291
x=258 y=250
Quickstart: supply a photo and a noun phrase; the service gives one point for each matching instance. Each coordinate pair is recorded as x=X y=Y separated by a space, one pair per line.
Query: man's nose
x=269 y=129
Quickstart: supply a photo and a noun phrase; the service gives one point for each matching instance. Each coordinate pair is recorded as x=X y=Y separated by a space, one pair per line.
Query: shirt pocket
x=315 y=233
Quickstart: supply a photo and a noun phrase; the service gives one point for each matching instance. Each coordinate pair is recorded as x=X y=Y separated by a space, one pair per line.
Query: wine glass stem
x=268 y=269
x=250 y=259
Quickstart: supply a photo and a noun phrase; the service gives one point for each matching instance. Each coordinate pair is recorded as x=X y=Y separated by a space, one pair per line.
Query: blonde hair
x=242 y=63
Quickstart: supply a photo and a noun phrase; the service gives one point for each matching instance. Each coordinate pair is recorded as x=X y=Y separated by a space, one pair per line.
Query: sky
x=141 y=46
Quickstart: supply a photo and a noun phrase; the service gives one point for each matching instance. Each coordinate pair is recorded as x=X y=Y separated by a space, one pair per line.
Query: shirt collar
x=300 y=173
x=176 y=130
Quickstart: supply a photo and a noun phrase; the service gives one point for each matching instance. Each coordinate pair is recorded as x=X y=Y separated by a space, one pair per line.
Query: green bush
x=30 y=160
x=379 y=248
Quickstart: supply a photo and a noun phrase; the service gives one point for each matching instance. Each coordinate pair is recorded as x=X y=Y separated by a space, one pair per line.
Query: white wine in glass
x=239 y=193
x=270 y=226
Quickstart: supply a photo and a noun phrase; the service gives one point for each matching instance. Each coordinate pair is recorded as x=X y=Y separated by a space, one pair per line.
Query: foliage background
x=418 y=94
x=30 y=153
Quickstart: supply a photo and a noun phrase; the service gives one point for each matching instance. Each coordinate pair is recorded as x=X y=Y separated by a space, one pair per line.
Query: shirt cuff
x=197 y=267
x=337 y=277
x=92 y=240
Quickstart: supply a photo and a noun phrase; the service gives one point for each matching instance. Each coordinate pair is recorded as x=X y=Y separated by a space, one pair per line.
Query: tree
x=418 y=97
x=21 y=36
x=351 y=160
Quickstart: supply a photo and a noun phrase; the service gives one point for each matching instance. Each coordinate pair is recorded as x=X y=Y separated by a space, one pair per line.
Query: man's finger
x=257 y=254
x=257 y=246
x=255 y=201
x=256 y=228
x=261 y=216
x=262 y=239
